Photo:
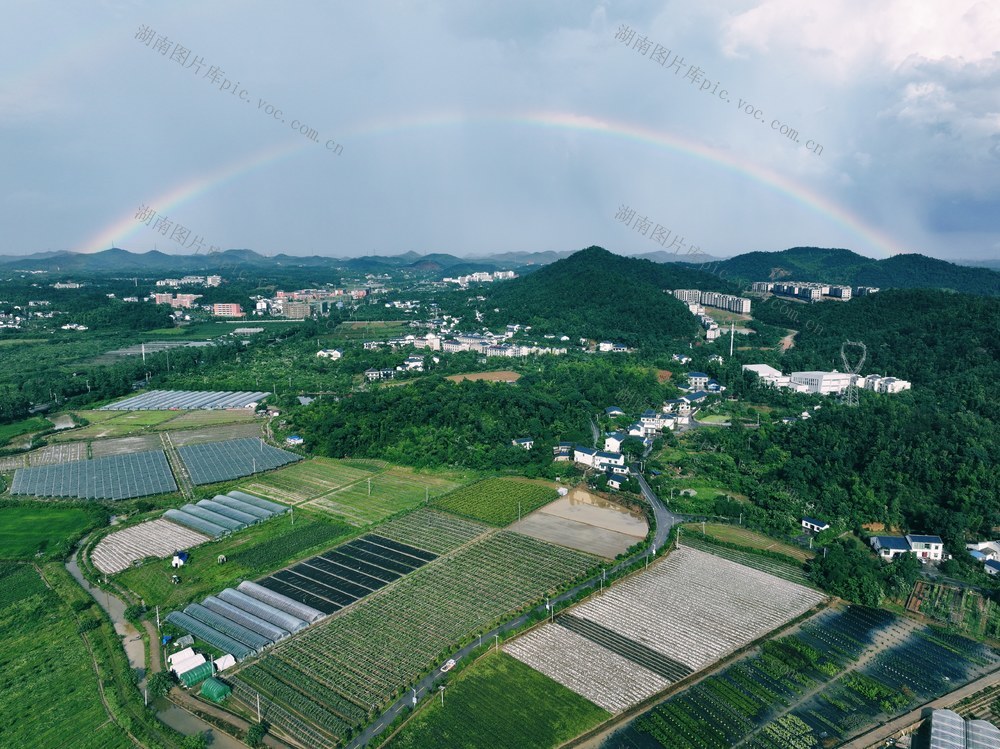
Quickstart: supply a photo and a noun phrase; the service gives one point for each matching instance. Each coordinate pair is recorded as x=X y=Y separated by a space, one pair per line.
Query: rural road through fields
x=665 y=520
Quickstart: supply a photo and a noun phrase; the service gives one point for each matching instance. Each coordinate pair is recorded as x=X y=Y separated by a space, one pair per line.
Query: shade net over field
x=114 y=477
x=212 y=462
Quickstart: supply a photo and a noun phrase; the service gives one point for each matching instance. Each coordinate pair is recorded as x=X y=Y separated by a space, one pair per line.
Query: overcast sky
x=475 y=127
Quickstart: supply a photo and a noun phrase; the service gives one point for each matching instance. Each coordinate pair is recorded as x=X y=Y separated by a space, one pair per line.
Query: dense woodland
x=597 y=295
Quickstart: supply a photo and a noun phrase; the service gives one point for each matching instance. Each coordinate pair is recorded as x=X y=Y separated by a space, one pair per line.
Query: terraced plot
x=333 y=673
x=659 y=626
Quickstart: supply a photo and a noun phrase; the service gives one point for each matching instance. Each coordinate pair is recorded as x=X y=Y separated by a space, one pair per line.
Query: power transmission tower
x=851 y=394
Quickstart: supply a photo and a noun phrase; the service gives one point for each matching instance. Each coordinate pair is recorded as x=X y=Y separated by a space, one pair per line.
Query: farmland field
x=500 y=703
x=119 y=425
x=392 y=491
x=735 y=534
x=842 y=670
x=342 y=666
x=659 y=626
x=438 y=532
x=963 y=610
x=307 y=480
x=43 y=654
x=778 y=568
x=497 y=501
x=251 y=552
x=28 y=528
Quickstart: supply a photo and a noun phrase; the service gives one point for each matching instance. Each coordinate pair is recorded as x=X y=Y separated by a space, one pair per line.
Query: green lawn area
x=497 y=703
x=714 y=419
x=379 y=329
x=498 y=501
x=252 y=553
x=736 y=534
x=49 y=695
x=26 y=528
x=392 y=490
x=203 y=331
x=34 y=424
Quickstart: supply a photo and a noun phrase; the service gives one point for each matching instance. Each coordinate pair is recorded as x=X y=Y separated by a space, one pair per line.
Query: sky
x=471 y=127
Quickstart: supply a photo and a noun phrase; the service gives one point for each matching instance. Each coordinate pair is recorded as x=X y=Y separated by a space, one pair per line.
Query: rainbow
x=873 y=239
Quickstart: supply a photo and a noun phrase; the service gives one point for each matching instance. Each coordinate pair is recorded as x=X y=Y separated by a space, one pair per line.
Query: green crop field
x=331 y=672
x=250 y=553
x=500 y=702
x=497 y=501
x=392 y=491
x=48 y=691
x=34 y=424
x=29 y=528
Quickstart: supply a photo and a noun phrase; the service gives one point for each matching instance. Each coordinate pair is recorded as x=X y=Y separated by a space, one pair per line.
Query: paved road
x=665 y=520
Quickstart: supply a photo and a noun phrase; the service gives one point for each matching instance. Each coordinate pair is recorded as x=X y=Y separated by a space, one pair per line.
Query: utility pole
x=258 y=708
x=369 y=487
x=441 y=689
x=157 y=618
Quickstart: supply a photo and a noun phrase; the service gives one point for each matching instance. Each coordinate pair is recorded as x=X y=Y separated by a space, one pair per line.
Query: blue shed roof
x=896 y=543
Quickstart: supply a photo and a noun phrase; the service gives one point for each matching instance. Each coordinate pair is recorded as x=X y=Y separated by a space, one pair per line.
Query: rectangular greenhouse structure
x=264 y=504
x=263 y=610
x=306 y=613
x=227 y=627
x=213 y=517
x=228 y=512
x=215 y=690
x=195 y=523
x=196 y=674
x=255 y=623
x=208 y=634
x=246 y=507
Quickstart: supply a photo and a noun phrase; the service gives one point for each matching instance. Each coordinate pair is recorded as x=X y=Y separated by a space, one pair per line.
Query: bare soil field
x=214 y=434
x=585 y=522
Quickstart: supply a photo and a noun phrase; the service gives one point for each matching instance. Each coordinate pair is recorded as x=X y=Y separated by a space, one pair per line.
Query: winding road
x=665 y=521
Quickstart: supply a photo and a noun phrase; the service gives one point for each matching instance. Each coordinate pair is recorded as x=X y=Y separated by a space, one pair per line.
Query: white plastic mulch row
x=155 y=538
x=693 y=607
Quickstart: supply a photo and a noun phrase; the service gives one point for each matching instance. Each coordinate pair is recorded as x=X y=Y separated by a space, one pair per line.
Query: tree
x=256 y=733
x=850 y=571
x=633 y=448
x=159 y=684
x=196 y=741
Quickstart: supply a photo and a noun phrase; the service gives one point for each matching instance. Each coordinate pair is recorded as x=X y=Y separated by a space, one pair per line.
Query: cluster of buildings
x=610 y=347
x=812 y=291
x=987 y=552
x=178 y=301
x=924 y=548
x=826 y=383
x=410 y=364
x=67 y=285
x=190 y=281
x=500 y=275
x=694 y=297
x=305 y=303
x=697 y=301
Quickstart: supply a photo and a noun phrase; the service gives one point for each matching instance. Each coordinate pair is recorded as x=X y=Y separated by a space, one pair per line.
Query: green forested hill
x=596 y=294
x=924 y=460
x=846 y=267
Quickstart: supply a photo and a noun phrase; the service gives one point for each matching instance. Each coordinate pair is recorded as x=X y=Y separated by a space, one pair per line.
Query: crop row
x=435 y=531
x=776 y=567
x=496 y=501
x=759 y=699
x=371 y=652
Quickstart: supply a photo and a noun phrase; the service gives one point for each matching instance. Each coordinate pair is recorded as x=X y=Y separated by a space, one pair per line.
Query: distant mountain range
x=846 y=267
x=796 y=264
